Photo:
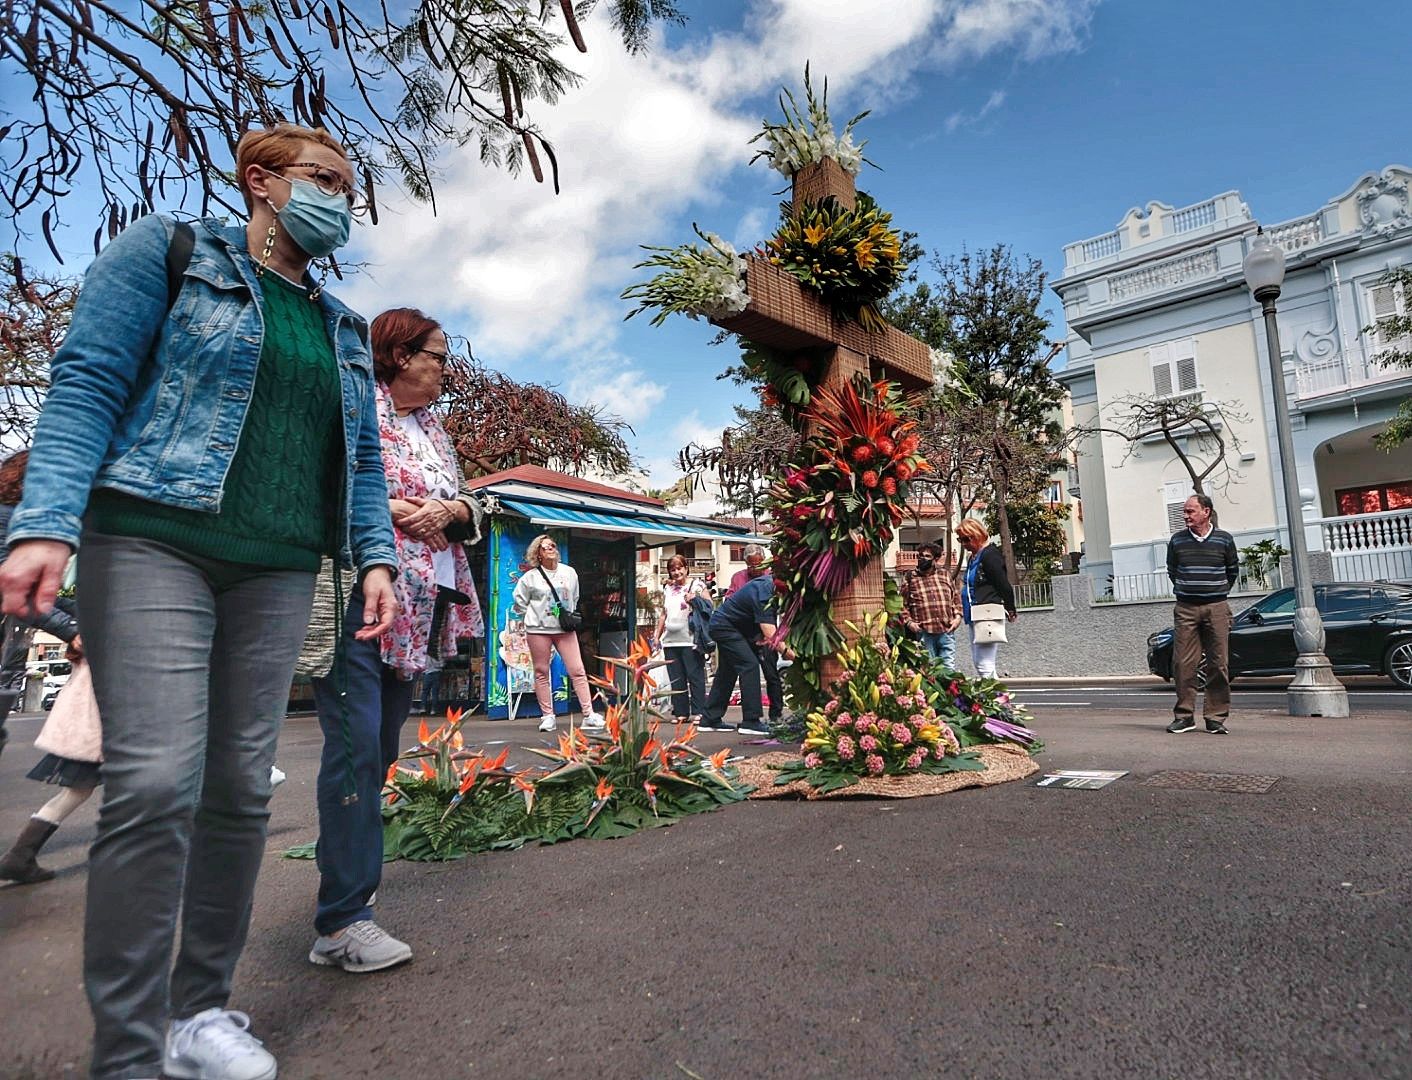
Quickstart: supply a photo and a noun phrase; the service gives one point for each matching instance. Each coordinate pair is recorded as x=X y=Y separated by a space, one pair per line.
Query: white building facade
x=1159 y=307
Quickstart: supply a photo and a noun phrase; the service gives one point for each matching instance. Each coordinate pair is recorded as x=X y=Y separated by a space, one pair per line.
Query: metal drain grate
x=1209 y=781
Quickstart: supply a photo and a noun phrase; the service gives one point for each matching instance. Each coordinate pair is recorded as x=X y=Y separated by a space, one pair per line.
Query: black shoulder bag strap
x=179 y=251
x=552 y=590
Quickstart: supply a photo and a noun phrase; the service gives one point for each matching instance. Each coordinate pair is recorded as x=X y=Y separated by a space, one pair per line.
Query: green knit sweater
x=280 y=501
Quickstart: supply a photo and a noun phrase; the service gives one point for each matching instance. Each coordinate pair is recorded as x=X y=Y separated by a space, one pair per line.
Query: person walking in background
x=72 y=741
x=14 y=639
x=738 y=626
x=686 y=663
x=364 y=696
x=987 y=598
x=931 y=607
x=546 y=598
x=755 y=565
x=209 y=435
x=1203 y=563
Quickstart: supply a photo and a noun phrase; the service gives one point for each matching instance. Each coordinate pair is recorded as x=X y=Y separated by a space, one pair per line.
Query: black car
x=1367 y=631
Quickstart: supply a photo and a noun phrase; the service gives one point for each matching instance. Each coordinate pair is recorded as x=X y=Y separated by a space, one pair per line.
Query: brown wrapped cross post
x=784 y=315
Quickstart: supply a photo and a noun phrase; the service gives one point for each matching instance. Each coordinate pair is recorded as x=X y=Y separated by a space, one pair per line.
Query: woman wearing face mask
x=203 y=446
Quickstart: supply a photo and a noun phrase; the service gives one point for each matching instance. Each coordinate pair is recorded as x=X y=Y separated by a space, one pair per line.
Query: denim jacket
x=152 y=404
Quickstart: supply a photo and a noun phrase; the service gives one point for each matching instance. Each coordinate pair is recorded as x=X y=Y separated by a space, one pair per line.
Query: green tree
x=144 y=102
x=1036 y=530
x=1394 y=331
x=983 y=314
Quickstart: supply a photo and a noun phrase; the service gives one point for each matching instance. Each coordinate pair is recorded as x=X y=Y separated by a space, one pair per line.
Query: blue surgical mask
x=318 y=222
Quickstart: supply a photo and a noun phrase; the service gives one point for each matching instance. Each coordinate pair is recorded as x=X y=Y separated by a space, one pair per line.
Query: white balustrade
x=1192 y=217
x=1167 y=274
x=1296 y=235
x=1389 y=530
x=1100 y=247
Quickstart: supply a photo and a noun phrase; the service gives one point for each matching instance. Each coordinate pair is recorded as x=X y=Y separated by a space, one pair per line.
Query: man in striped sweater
x=1203 y=565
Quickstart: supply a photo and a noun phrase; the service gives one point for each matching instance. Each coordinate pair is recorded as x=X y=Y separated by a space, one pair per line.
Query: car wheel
x=1398 y=664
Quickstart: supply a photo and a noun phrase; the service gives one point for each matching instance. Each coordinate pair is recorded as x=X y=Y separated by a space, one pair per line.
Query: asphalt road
x=1015 y=931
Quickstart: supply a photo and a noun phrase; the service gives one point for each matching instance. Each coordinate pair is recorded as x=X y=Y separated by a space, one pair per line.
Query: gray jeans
x=192 y=660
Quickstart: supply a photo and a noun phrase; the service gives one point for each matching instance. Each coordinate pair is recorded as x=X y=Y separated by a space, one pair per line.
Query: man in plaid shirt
x=931 y=607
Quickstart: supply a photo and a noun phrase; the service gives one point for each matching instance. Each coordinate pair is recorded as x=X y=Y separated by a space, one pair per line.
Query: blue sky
x=1028 y=122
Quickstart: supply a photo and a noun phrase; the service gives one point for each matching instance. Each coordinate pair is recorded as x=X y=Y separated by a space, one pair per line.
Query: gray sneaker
x=363 y=946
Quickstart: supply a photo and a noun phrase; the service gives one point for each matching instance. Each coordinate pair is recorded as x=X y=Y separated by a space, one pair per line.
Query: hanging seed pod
x=505 y=95
x=48 y=239
x=533 y=157
x=180 y=136
x=332 y=25
x=567 y=7
x=274 y=46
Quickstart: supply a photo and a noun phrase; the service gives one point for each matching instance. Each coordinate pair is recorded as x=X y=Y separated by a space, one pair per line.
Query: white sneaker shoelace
x=224 y=1034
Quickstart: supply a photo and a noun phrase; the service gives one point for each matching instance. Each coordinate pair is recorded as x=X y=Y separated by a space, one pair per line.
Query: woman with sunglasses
x=205 y=442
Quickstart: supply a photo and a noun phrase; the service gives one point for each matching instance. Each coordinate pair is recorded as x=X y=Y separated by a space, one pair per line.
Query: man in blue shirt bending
x=1203 y=565
x=747 y=615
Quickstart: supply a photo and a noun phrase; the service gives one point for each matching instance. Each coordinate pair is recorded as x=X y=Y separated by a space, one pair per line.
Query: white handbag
x=988 y=623
x=73 y=729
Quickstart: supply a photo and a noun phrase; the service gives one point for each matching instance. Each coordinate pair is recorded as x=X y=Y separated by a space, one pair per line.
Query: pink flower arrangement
x=813 y=761
x=901 y=733
x=915 y=758
x=875 y=764
x=846 y=748
x=867 y=742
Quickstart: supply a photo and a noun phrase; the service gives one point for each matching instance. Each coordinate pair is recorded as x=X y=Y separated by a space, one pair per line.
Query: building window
x=1386 y=302
x=1174 y=368
x=737 y=553
x=1175 y=493
x=1054 y=494
x=1375 y=498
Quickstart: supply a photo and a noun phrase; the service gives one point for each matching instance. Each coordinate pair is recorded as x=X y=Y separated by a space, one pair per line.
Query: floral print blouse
x=406 y=646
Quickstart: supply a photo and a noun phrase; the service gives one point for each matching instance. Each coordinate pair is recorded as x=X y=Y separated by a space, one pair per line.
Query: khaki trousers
x=1202 y=628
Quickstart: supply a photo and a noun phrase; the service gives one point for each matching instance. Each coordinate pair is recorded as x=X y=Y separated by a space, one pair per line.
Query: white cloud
x=956 y=119
x=532 y=278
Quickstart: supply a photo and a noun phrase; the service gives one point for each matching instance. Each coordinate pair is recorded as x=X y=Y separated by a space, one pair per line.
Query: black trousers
x=770 y=669
x=737 y=660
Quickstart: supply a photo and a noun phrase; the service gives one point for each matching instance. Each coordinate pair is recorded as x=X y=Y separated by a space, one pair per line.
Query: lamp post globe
x=1314 y=691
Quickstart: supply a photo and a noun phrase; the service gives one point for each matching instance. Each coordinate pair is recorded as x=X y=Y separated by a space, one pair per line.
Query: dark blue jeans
x=350 y=835
x=687 y=669
x=738 y=660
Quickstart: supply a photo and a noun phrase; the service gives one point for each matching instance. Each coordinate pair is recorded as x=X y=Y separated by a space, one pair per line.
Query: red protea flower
x=889 y=486
x=885 y=446
x=870 y=479
x=862 y=453
x=769 y=397
x=910 y=445
x=903 y=470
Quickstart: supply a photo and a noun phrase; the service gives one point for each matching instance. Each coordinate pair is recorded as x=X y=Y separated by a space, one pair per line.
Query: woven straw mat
x=1002 y=763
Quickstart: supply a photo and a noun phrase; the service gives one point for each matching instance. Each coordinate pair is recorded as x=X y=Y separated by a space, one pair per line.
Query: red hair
x=398 y=333
x=275 y=147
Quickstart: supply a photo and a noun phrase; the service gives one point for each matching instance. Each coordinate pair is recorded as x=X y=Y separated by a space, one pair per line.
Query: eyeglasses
x=329 y=182
x=440 y=357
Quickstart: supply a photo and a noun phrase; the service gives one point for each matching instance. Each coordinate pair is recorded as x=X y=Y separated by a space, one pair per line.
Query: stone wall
x=1077 y=637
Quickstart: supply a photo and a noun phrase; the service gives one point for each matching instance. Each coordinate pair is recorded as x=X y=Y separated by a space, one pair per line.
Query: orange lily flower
x=423 y=733
x=614 y=719
x=647 y=749
x=718 y=759
x=428 y=769
x=453 y=716
x=651 y=789
x=604 y=789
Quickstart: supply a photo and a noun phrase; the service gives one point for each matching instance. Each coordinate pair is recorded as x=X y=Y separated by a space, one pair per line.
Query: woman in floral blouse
x=433 y=516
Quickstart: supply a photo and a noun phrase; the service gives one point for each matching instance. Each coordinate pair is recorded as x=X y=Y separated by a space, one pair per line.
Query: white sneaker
x=277 y=777
x=547 y=723
x=216 y=1045
x=593 y=722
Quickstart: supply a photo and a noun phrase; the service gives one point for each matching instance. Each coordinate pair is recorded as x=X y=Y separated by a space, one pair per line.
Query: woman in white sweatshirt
x=534 y=605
